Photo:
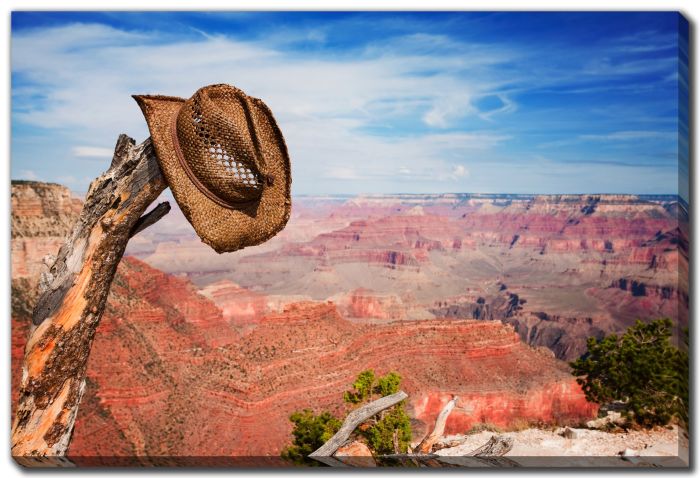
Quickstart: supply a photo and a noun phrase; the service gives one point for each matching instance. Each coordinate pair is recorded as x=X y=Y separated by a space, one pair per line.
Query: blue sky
x=382 y=102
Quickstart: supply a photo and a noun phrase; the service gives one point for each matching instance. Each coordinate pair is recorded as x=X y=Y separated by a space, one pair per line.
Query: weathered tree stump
x=498 y=445
x=426 y=445
x=72 y=299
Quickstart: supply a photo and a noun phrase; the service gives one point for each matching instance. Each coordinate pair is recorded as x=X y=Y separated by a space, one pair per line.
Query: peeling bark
x=72 y=299
x=498 y=445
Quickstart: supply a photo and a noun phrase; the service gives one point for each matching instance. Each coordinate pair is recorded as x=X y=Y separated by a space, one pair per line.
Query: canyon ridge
x=481 y=296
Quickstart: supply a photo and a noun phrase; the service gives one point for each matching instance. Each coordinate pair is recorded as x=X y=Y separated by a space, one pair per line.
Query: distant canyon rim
x=559 y=268
x=483 y=296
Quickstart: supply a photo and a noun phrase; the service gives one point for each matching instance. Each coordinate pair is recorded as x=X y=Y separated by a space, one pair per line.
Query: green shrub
x=388 y=384
x=310 y=432
x=641 y=369
x=381 y=429
x=380 y=436
x=362 y=388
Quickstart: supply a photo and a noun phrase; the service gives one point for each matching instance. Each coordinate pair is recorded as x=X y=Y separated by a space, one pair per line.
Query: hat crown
x=218 y=141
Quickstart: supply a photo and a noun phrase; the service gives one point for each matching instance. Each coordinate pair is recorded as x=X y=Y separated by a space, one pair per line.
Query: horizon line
x=380 y=194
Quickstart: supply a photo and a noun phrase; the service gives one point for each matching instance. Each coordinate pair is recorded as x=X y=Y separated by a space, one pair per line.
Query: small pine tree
x=362 y=387
x=388 y=384
x=381 y=432
x=642 y=369
x=394 y=421
x=380 y=436
x=310 y=432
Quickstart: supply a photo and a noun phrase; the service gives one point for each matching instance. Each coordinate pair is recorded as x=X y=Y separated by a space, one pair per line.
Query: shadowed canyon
x=482 y=296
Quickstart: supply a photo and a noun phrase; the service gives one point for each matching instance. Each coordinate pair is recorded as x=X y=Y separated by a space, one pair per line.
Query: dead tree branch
x=486 y=456
x=451 y=443
x=426 y=445
x=72 y=298
x=354 y=418
x=150 y=218
x=498 y=445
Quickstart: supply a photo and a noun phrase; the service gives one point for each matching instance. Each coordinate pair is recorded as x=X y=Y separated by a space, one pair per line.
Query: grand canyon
x=205 y=356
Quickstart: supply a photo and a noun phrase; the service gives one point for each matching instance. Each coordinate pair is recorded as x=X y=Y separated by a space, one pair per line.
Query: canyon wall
x=580 y=265
x=174 y=378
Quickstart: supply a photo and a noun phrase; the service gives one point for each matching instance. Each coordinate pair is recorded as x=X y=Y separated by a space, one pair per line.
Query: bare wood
x=488 y=455
x=498 y=445
x=450 y=444
x=72 y=299
x=354 y=418
x=426 y=445
x=410 y=456
x=150 y=218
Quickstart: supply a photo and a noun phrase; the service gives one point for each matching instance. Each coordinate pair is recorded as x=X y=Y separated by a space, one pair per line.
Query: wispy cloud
x=628 y=136
x=459 y=171
x=344 y=173
x=614 y=137
x=645 y=41
x=325 y=106
x=406 y=104
x=92 y=152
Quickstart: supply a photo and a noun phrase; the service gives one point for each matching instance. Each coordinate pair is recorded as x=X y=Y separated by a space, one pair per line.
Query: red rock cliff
x=169 y=376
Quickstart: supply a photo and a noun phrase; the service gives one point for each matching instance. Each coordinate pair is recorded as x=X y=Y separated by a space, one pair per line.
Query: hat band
x=190 y=174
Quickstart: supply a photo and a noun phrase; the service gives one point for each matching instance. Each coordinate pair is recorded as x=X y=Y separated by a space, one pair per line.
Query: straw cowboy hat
x=226 y=162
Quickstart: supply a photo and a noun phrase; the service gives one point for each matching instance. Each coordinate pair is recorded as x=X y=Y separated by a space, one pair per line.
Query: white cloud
x=507 y=106
x=325 y=106
x=612 y=137
x=459 y=171
x=341 y=173
x=92 y=152
x=628 y=135
x=448 y=108
x=329 y=108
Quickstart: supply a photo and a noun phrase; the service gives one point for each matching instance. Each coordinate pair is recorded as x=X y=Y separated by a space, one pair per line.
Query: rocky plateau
x=200 y=356
x=557 y=268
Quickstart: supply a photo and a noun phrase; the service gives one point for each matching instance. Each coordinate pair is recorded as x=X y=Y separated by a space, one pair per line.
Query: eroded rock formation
x=577 y=266
x=418 y=284
x=170 y=374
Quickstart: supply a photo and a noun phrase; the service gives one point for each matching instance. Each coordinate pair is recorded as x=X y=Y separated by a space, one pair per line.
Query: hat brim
x=224 y=229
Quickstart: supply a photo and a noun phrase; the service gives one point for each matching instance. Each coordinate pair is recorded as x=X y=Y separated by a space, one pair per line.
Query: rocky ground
x=537 y=447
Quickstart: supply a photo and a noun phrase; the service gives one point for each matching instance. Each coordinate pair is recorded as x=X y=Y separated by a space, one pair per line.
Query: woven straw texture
x=226 y=162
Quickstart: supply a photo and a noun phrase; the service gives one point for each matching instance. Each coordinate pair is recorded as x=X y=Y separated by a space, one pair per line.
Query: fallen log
x=486 y=456
x=325 y=453
x=426 y=445
x=72 y=299
x=405 y=456
x=498 y=445
x=450 y=443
